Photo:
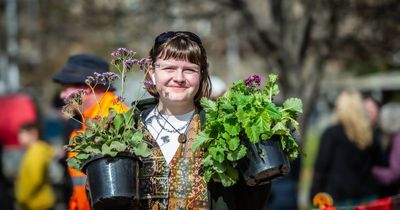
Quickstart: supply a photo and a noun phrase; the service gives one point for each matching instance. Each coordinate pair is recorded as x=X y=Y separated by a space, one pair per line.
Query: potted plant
x=109 y=149
x=246 y=132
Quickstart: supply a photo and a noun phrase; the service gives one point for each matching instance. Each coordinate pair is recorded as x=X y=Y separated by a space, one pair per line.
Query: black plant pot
x=264 y=163
x=112 y=181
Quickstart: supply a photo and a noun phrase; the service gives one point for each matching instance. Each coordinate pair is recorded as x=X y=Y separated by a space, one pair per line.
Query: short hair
x=181 y=45
x=30 y=126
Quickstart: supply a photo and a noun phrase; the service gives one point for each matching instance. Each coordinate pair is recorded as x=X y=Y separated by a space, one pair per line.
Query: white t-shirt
x=164 y=134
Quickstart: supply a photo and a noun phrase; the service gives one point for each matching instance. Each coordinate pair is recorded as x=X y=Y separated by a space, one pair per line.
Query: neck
x=175 y=108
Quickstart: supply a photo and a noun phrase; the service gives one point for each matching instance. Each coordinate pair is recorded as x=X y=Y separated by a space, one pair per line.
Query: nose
x=63 y=94
x=179 y=76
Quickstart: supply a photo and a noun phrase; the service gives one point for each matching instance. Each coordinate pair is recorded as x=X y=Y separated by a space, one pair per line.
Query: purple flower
x=128 y=64
x=253 y=82
x=75 y=97
x=90 y=80
x=145 y=63
x=122 y=52
x=110 y=76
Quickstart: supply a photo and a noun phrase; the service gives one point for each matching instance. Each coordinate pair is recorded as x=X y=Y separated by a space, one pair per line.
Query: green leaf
x=226 y=180
x=233 y=143
x=217 y=154
x=118 y=121
x=232 y=129
x=113 y=153
x=105 y=149
x=142 y=150
x=280 y=129
x=128 y=117
x=82 y=156
x=263 y=122
x=238 y=154
x=208 y=174
x=118 y=146
x=93 y=150
x=272 y=78
x=208 y=160
x=228 y=107
x=293 y=104
x=74 y=163
x=208 y=104
x=136 y=138
x=200 y=140
x=253 y=133
x=219 y=167
x=273 y=111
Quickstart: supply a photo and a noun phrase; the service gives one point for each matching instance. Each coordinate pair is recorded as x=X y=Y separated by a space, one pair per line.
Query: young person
x=346 y=154
x=33 y=188
x=172 y=177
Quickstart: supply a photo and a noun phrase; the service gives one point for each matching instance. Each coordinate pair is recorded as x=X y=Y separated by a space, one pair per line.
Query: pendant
x=182 y=138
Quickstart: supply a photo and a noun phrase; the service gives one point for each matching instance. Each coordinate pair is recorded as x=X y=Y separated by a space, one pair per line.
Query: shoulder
x=42 y=148
x=144 y=104
x=332 y=129
x=143 y=107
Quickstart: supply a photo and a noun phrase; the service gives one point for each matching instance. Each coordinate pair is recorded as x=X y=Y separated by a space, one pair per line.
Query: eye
x=168 y=69
x=191 y=71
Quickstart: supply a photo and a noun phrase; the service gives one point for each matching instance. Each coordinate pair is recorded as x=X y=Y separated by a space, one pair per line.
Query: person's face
x=176 y=80
x=26 y=137
x=372 y=110
x=68 y=89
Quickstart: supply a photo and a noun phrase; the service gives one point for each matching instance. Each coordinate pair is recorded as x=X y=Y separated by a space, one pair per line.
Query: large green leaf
x=118 y=122
x=293 y=104
x=142 y=150
x=208 y=105
x=218 y=154
x=233 y=143
x=118 y=146
x=201 y=139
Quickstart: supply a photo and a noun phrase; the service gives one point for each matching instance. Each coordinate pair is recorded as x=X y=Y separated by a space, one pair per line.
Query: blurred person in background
x=346 y=154
x=33 y=190
x=72 y=77
x=6 y=200
x=373 y=108
x=389 y=175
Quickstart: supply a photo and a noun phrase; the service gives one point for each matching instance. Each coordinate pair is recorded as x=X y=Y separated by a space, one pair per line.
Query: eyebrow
x=194 y=66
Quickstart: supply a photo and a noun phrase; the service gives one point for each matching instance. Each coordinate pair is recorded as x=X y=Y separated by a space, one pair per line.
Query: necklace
x=182 y=136
x=159 y=115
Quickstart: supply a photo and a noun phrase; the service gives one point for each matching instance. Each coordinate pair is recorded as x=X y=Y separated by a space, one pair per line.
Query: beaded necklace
x=182 y=136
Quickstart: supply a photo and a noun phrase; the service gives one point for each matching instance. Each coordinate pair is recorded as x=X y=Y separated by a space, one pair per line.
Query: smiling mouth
x=178 y=87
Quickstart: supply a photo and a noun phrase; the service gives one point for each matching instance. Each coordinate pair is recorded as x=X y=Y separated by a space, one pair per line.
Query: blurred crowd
x=357 y=160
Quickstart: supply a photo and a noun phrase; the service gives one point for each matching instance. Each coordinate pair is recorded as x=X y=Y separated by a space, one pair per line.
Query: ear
x=153 y=78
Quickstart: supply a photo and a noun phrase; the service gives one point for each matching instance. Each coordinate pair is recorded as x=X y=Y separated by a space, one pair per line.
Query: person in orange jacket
x=95 y=102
